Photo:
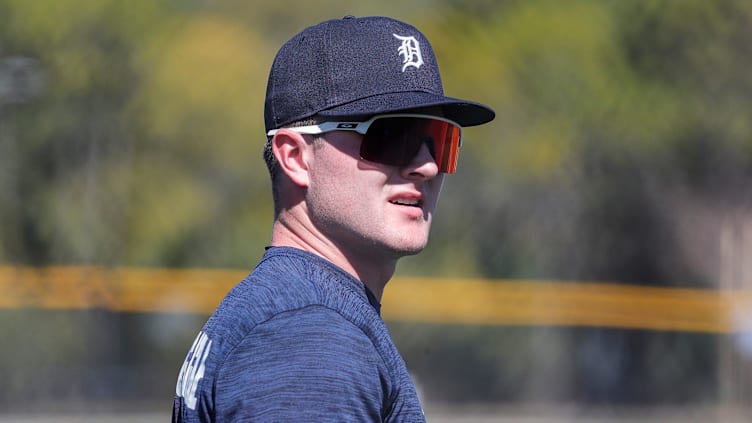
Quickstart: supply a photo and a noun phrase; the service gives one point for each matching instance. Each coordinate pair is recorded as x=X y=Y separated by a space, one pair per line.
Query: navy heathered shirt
x=298 y=340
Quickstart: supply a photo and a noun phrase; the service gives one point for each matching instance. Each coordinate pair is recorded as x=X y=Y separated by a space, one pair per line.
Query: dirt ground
x=465 y=414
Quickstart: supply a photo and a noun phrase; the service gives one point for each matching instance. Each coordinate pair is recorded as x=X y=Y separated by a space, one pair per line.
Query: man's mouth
x=407 y=202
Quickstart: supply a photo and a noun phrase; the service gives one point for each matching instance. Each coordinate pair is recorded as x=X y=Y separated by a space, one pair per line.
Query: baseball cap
x=360 y=67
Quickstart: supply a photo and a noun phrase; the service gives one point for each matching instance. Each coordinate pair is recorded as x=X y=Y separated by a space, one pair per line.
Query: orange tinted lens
x=446 y=139
x=395 y=141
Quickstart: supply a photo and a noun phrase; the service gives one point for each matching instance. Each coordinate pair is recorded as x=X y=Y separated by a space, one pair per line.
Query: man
x=360 y=136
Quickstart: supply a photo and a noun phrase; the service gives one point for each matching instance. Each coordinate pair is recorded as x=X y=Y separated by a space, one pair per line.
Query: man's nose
x=423 y=164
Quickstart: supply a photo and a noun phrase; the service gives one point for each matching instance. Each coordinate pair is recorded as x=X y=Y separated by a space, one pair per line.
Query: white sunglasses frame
x=360 y=127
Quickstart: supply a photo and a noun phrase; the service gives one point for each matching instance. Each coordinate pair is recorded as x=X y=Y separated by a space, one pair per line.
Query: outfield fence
x=451 y=301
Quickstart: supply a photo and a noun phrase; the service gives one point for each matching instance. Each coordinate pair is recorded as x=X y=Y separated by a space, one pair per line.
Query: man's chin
x=411 y=250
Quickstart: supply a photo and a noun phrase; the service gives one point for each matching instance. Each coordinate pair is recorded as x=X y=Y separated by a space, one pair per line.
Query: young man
x=360 y=136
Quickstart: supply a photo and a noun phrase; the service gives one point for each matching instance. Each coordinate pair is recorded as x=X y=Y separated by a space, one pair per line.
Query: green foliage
x=616 y=121
x=621 y=151
x=144 y=146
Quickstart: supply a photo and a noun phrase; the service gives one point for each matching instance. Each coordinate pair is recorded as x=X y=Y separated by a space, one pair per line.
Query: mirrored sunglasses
x=395 y=139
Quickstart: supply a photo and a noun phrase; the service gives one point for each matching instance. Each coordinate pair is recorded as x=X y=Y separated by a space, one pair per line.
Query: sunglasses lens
x=395 y=141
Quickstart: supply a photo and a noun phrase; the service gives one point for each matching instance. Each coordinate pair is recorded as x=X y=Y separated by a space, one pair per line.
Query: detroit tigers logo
x=410 y=52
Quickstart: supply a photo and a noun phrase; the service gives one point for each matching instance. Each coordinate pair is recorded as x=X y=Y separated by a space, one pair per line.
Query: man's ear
x=292 y=153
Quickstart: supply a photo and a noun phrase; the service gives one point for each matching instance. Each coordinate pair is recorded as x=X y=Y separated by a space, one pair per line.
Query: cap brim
x=466 y=113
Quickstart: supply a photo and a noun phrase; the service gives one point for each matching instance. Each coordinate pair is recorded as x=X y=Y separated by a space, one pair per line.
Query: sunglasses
x=395 y=139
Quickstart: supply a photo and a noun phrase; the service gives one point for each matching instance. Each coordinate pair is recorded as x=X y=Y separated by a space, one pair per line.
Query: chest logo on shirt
x=193 y=370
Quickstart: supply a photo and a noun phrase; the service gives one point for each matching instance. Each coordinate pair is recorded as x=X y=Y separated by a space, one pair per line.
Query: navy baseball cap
x=360 y=67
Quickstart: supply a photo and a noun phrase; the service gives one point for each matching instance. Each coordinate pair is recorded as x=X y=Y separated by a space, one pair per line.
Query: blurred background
x=621 y=156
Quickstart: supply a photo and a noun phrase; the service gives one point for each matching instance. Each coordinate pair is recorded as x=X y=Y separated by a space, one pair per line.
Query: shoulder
x=304 y=335
x=306 y=361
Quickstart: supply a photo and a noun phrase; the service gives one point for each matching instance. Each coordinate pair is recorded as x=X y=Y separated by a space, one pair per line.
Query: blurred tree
x=620 y=148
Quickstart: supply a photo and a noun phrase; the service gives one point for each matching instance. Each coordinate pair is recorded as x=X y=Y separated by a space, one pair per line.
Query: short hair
x=271 y=162
x=268 y=154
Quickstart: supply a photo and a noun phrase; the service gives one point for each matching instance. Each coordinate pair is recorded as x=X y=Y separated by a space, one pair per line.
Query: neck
x=372 y=271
